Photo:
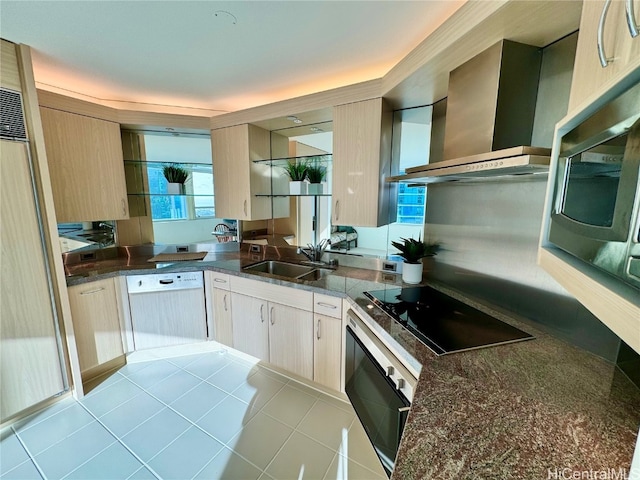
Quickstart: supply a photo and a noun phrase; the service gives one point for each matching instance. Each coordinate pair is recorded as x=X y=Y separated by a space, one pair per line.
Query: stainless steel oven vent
x=11 y=115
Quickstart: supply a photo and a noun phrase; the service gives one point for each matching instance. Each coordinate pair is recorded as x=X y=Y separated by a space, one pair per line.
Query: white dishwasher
x=167 y=309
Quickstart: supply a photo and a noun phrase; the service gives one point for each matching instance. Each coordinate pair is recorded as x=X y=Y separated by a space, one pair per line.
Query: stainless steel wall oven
x=597 y=191
x=380 y=388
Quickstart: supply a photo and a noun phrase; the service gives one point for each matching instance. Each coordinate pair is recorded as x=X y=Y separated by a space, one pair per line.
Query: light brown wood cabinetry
x=327 y=340
x=250 y=325
x=619 y=47
x=86 y=166
x=361 y=164
x=30 y=369
x=97 y=326
x=218 y=299
x=237 y=179
x=273 y=323
x=291 y=339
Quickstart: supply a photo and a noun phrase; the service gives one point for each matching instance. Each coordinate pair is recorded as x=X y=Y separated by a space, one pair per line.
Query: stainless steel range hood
x=489 y=121
x=511 y=161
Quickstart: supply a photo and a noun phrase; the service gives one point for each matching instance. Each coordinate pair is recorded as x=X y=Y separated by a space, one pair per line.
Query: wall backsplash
x=489 y=231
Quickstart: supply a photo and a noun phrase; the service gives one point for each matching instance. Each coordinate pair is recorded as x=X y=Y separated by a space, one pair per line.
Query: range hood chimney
x=492 y=100
x=489 y=121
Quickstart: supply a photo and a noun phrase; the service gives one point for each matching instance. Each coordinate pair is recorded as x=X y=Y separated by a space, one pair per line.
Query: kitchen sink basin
x=282 y=269
x=315 y=274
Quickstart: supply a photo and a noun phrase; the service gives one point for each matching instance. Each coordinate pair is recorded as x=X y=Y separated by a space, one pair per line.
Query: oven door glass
x=381 y=408
x=592 y=181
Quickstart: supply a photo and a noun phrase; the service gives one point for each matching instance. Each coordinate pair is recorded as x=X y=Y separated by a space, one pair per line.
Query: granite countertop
x=528 y=410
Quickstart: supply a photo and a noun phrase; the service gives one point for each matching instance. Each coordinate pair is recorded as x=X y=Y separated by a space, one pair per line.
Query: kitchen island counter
x=530 y=410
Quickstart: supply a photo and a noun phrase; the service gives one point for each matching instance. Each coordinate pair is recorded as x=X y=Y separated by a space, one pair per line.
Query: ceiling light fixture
x=292 y=118
x=297 y=120
x=316 y=129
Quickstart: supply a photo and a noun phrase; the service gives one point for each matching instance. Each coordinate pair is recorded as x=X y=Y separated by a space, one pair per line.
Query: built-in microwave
x=596 y=201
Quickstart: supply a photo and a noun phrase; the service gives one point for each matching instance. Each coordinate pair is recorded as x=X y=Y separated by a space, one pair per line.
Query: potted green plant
x=315 y=175
x=297 y=172
x=413 y=251
x=176 y=176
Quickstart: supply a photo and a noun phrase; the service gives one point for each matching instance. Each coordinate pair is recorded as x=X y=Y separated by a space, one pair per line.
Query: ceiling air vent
x=11 y=116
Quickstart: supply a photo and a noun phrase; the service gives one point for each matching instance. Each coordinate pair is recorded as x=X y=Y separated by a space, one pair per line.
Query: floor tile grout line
x=31 y=457
x=235 y=453
x=89 y=459
x=121 y=442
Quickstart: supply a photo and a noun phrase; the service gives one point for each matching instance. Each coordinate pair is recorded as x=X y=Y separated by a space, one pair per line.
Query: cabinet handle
x=318 y=330
x=245 y=208
x=326 y=305
x=631 y=19
x=90 y=292
x=224 y=300
x=124 y=207
x=219 y=280
x=271 y=316
x=604 y=60
x=261 y=314
x=337 y=209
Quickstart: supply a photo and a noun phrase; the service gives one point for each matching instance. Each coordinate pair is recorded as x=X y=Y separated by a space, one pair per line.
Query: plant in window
x=176 y=176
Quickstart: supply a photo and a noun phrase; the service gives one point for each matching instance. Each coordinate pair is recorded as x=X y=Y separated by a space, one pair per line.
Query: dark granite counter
x=531 y=410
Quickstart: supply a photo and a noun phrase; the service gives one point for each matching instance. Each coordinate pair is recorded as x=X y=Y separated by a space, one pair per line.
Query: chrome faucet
x=314 y=252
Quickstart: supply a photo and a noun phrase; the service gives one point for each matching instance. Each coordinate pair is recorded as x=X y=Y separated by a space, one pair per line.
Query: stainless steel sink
x=315 y=274
x=282 y=269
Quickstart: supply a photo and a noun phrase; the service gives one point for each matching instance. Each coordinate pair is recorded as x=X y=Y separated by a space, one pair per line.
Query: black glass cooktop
x=442 y=323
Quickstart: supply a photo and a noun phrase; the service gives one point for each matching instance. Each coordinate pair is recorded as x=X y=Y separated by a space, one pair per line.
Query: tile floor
x=211 y=415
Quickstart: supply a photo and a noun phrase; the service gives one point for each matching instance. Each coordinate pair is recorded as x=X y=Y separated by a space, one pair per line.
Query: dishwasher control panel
x=164 y=281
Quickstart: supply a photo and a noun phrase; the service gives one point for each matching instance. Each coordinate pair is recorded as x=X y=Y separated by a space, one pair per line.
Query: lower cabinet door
x=291 y=339
x=96 y=323
x=222 y=323
x=250 y=319
x=327 y=351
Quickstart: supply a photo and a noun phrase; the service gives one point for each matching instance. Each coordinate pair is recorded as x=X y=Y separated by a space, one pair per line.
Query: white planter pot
x=297 y=188
x=412 y=272
x=175 y=188
x=315 y=189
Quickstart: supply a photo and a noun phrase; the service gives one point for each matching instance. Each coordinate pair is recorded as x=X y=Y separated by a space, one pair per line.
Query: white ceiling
x=218 y=56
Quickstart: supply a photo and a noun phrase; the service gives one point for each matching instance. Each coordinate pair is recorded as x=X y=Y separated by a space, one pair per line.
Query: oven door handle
x=402 y=418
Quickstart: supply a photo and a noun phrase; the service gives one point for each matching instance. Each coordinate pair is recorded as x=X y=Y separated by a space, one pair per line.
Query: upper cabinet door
x=616 y=44
x=237 y=179
x=86 y=167
x=361 y=163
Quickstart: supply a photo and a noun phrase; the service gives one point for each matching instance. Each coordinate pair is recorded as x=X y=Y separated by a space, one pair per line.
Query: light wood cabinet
x=273 y=323
x=291 y=339
x=620 y=48
x=86 y=167
x=327 y=351
x=218 y=300
x=238 y=179
x=97 y=325
x=327 y=340
x=250 y=325
x=30 y=365
x=361 y=164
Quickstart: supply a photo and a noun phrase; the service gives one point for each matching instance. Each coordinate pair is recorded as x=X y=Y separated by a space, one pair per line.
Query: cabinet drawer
x=273 y=293
x=327 y=305
x=219 y=280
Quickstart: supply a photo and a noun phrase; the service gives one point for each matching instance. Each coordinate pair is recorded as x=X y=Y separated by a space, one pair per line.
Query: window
x=411 y=204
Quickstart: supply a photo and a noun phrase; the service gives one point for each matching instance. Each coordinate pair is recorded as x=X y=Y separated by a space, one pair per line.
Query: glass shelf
x=312 y=159
x=169 y=195
x=293 y=195
x=187 y=165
